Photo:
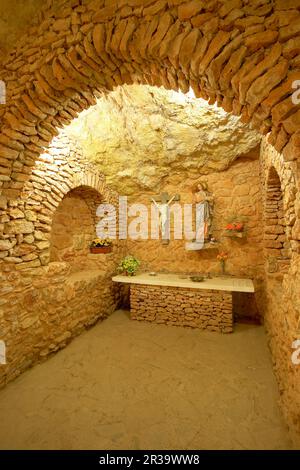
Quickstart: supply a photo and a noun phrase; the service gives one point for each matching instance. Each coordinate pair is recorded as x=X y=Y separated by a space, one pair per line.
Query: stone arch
x=74 y=226
x=91 y=188
x=276 y=242
x=59 y=170
x=242 y=56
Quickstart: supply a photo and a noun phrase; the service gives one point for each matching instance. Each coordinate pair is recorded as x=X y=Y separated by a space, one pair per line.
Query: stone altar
x=173 y=300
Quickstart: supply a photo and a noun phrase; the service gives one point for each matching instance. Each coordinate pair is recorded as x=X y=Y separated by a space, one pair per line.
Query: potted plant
x=222 y=257
x=101 y=245
x=129 y=265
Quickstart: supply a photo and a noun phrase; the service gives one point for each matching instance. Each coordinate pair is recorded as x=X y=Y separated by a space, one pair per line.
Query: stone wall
x=44 y=304
x=44 y=308
x=282 y=278
x=26 y=223
x=237 y=193
x=15 y=20
x=207 y=310
x=243 y=55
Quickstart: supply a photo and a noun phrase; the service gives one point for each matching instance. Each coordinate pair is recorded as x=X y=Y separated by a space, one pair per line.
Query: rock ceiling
x=139 y=136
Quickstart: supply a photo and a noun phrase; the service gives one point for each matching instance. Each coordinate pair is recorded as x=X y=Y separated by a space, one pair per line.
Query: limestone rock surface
x=139 y=135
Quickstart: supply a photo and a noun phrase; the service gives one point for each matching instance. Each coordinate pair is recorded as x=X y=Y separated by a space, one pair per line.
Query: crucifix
x=163 y=203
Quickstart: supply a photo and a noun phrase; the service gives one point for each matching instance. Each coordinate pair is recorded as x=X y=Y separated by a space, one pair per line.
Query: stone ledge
x=227 y=284
x=95 y=255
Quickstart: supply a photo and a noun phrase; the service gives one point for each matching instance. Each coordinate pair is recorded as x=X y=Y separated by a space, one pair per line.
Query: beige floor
x=130 y=385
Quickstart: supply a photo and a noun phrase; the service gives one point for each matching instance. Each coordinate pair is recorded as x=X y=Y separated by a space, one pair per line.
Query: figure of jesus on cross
x=163 y=203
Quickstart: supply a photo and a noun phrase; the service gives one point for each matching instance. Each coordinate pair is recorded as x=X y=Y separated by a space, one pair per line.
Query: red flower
x=239 y=227
x=230 y=227
x=222 y=256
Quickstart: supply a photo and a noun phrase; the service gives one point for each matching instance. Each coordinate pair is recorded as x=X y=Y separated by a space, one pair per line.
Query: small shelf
x=235 y=234
x=210 y=246
x=194 y=246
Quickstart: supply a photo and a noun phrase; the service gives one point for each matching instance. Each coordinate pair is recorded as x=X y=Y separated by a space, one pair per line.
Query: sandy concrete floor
x=130 y=385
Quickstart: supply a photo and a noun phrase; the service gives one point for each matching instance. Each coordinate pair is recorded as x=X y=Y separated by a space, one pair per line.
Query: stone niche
x=74 y=227
x=276 y=244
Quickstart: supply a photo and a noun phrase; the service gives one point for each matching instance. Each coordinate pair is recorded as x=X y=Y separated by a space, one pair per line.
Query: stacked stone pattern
x=204 y=309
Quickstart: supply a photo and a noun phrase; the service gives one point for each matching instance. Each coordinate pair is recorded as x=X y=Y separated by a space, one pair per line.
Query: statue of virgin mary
x=204 y=212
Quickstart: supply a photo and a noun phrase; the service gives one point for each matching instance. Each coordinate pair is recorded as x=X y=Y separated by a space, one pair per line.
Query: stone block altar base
x=177 y=306
x=175 y=300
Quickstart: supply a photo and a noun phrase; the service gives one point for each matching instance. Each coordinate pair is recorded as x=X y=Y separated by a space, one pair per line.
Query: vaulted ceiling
x=15 y=17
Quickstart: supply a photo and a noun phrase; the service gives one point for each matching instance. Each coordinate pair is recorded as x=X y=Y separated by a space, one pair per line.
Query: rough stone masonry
x=208 y=309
